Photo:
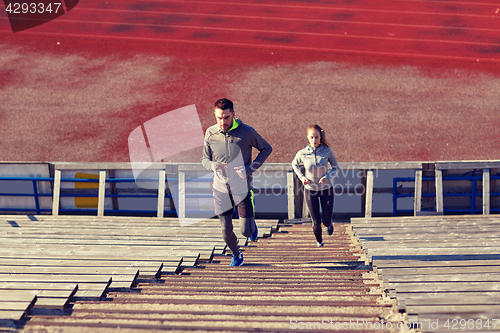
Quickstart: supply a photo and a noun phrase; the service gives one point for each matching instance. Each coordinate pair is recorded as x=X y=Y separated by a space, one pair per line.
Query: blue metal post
x=473 y=197
x=394 y=197
x=37 y=202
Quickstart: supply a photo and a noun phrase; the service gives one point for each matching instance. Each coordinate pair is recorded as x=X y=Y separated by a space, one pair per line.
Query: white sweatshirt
x=315 y=161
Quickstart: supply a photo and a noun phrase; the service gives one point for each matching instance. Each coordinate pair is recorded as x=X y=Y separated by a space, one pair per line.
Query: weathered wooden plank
x=99 y=232
x=445 y=286
x=386 y=272
x=446 y=309
x=435 y=224
x=99 y=260
x=14 y=304
x=51 y=299
x=17 y=295
x=134 y=239
x=97 y=268
x=39 y=285
x=442 y=277
x=416 y=224
x=435 y=243
x=423 y=219
x=429 y=263
x=97 y=252
x=446 y=323
x=21 y=305
x=445 y=299
x=448 y=298
x=13 y=314
x=409 y=232
x=81 y=289
x=94 y=218
x=68 y=270
x=429 y=252
x=139 y=244
x=135 y=219
x=412 y=235
x=46 y=293
x=407 y=221
x=89 y=293
x=105 y=220
x=52 y=303
x=201 y=228
x=56 y=278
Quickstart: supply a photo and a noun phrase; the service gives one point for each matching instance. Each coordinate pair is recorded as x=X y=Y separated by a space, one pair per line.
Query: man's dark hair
x=223 y=104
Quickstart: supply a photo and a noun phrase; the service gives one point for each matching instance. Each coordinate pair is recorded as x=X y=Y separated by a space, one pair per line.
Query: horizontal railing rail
x=473 y=193
x=173 y=178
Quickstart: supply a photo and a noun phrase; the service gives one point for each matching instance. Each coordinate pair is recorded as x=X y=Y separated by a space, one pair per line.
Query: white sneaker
x=318 y=244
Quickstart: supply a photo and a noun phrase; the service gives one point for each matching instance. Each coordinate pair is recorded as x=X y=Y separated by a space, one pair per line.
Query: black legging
x=313 y=200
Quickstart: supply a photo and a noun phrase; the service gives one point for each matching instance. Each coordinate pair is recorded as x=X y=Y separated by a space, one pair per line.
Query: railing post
x=102 y=193
x=486 y=191
x=37 y=200
x=57 y=192
x=369 y=194
x=363 y=196
x=439 y=191
x=114 y=200
x=290 y=195
x=473 y=195
x=182 y=195
x=161 y=193
x=417 y=204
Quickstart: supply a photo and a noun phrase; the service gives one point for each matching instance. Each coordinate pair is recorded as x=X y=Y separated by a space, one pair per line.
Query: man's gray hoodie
x=315 y=161
x=233 y=147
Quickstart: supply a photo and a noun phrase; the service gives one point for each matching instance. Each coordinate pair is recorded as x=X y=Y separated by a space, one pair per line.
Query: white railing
x=292 y=189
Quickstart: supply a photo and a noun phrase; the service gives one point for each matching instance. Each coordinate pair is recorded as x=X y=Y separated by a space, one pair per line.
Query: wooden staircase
x=286 y=283
x=443 y=271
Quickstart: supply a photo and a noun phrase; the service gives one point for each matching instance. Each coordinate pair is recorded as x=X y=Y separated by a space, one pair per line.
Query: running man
x=228 y=153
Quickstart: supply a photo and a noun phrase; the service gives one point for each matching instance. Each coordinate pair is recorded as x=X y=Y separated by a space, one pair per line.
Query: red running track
x=79 y=85
x=445 y=30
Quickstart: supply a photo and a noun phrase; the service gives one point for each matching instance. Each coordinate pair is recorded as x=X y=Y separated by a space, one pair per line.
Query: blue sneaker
x=255 y=234
x=237 y=261
x=330 y=230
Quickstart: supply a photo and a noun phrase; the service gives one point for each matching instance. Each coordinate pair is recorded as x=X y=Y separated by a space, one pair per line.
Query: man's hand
x=306 y=181
x=239 y=171
x=220 y=168
x=323 y=180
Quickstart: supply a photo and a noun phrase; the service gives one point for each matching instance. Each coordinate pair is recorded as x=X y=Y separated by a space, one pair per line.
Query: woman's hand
x=323 y=180
x=239 y=171
x=306 y=181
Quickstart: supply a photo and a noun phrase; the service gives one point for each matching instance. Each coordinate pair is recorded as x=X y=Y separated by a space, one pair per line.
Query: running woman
x=317 y=180
x=228 y=153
